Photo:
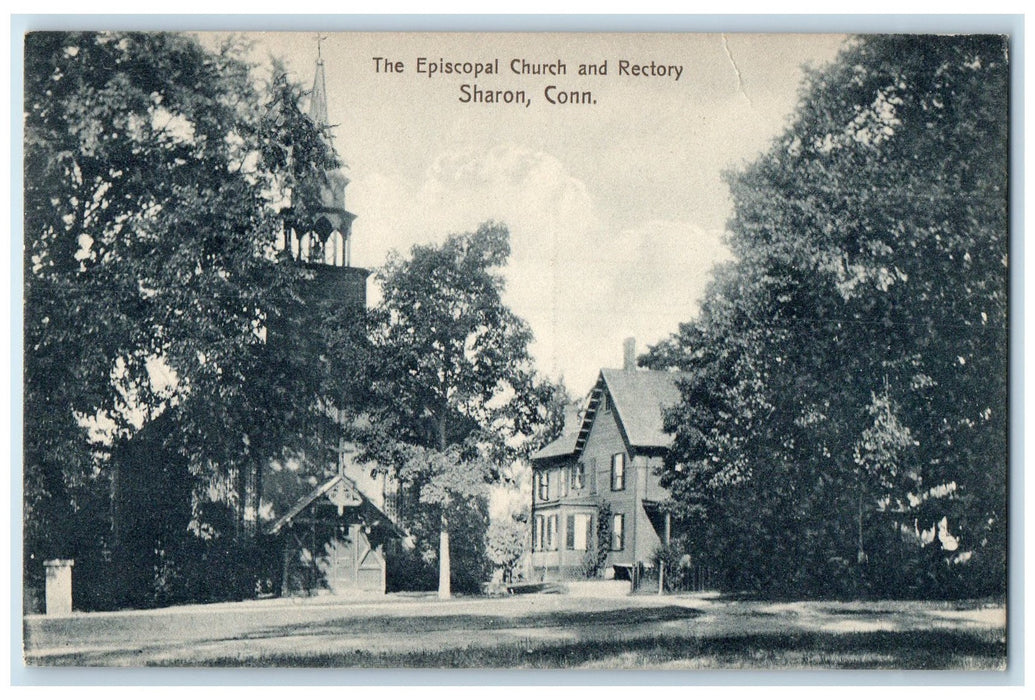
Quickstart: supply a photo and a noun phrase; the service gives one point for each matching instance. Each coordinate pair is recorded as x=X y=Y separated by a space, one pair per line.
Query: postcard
x=516 y=350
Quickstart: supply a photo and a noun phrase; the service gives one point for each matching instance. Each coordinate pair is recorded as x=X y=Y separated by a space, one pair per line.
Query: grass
x=537 y=632
x=915 y=650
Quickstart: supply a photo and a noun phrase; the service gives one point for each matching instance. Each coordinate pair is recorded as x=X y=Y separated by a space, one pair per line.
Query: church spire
x=327 y=239
x=318 y=100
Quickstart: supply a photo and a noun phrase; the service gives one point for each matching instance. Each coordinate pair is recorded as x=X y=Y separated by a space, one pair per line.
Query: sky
x=616 y=208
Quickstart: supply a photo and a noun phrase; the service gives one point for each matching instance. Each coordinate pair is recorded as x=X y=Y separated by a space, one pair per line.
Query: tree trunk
x=242 y=495
x=862 y=551
x=444 y=590
x=258 y=493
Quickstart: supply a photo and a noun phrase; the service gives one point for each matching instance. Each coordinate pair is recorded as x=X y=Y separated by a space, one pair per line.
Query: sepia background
x=616 y=210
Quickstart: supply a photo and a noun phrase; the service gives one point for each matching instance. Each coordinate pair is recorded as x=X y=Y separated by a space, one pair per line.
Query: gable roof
x=639 y=399
x=366 y=507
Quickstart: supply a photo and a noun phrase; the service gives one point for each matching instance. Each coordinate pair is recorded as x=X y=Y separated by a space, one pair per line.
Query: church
x=332 y=534
x=335 y=538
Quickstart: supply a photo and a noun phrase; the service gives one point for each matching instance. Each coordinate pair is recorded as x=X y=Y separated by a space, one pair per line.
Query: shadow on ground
x=477 y=623
x=915 y=650
x=580 y=624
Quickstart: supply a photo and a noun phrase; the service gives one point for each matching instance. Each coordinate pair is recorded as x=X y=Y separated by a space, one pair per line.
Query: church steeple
x=327 y=239
x=318 y=98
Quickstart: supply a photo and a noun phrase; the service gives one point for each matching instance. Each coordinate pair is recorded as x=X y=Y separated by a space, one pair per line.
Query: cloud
x=660 y=273
x=531 y=191
x=640 y=282
x=581 y=284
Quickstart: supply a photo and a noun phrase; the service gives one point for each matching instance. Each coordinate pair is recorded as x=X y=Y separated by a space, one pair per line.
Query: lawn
x=861 y=650
x=536 y=631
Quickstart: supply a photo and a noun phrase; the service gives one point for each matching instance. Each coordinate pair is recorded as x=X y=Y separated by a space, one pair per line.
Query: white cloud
x=659 y=274
x=530 y=191
x=581 y=285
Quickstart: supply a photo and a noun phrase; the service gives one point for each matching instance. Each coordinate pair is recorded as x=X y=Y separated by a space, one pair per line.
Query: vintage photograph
x=515 y=350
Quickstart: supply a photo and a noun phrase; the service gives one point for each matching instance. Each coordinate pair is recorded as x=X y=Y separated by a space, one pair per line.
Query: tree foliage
x=843 y=422
x=506 y=542
x=158 y=177
x=453 y=381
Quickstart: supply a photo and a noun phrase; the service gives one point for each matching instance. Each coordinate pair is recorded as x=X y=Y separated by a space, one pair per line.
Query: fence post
x=59 y=586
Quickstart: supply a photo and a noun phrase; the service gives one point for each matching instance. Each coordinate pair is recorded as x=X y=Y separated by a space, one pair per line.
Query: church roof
x=338 y=483
x=639 y=399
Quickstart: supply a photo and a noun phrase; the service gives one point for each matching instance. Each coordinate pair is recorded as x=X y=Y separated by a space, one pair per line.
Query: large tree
x=453 y=375
x=843 y=424
x=158 y=176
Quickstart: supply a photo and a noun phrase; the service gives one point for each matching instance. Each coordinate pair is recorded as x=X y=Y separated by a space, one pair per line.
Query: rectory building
x=605 y=467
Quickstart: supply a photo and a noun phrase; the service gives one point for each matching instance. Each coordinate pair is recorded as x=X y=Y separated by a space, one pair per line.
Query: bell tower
x=325 y=246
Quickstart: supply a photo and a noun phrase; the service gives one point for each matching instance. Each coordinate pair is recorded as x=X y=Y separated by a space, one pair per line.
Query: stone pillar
x=59 y=586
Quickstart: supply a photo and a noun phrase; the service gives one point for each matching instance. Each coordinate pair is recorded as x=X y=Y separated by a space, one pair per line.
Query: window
x=562 y=482
x=618 y=472
x=569 y=532
x=551 y=532
x=543 y=479
x=580 y=531
x=617 y=532
x=578 y=476
x=537 y=533
x=605 y=402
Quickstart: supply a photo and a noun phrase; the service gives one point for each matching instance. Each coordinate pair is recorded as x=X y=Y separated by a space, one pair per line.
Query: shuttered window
x=578 y=476
x=618 y=472
x=578 y=531
x=618 y=531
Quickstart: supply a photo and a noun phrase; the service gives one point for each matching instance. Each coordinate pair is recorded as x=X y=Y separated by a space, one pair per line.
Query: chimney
x=571 y=419
x=629 y=355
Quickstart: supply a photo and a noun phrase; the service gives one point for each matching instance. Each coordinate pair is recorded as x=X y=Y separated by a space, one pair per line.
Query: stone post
x=59 y=586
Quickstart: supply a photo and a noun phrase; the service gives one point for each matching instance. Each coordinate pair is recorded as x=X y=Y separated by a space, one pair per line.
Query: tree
x=452 y=375
x=843 y=423
x=506 y=541
x=158 y=176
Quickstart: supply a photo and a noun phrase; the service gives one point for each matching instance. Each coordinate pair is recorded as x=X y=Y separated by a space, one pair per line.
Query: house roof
x=562 y=446
x=639 y=399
